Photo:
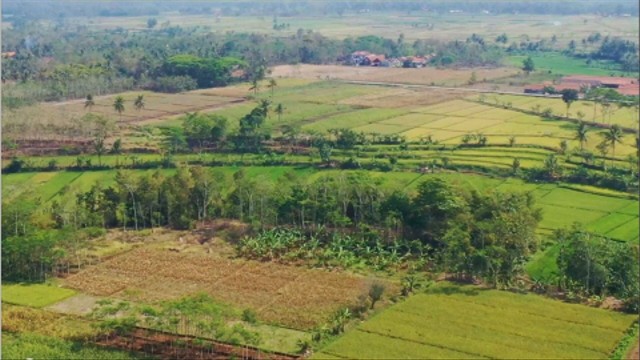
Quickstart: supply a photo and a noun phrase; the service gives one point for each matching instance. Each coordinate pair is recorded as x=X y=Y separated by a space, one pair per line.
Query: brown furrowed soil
x=169 y=346
x=292 y=296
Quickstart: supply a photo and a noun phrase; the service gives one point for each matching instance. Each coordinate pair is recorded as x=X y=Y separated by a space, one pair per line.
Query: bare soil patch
x=168 y=346
x=81 y=304
x=635 y=353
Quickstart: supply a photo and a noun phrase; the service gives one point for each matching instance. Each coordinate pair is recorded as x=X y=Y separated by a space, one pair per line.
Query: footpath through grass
x=451 y=321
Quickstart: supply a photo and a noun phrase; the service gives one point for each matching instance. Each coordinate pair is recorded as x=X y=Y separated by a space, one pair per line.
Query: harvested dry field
x=425 y=76
x=292 y=296
x=64 y=120
x=403 y=98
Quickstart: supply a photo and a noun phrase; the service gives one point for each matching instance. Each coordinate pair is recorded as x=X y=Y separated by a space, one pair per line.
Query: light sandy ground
x=81 y=304
x=425 y=76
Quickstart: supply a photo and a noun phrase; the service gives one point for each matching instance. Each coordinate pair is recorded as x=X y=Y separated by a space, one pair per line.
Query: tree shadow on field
x=453 y=289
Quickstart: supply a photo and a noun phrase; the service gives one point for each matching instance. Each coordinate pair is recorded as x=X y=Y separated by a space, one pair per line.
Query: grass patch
x=24 y=346
x=543 y=264
x=34 y=295
x=568 y=65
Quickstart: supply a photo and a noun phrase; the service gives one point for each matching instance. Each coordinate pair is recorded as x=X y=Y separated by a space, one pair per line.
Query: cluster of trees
x=67 y=62
x=624 y=52
x=593 y=265
x=477 y=235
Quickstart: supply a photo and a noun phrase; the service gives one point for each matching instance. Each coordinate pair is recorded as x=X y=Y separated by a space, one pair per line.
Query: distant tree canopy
x=209 y=72
x=622 y=51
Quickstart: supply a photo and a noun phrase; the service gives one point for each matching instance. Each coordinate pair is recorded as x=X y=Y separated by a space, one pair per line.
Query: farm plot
x=65 y=120
x=353 y=119
x=291 y=296
x=623 y=116
x=425 y=76
x=628 y=231
x=412 y=119
x=402 y=98
x=34 y=295
x=451 y=321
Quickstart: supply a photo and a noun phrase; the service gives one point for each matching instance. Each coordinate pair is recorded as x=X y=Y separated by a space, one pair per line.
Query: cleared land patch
x=291 y=296
x=451 y=321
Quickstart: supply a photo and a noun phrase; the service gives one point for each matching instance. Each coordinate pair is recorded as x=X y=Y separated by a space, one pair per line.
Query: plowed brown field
x=292 y=296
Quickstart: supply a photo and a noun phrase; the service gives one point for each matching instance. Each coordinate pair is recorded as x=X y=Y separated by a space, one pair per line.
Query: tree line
x=346 y=219
x=439 y=216
x=48 y=64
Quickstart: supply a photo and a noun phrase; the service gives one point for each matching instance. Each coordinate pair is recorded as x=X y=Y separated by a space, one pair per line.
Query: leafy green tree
x=197 y=129
x=325 y=153
x=569 y=96
x=596 y=265
x=515 y=166
x=345 y=138
x=102 y=128
x=528 y=65
x=552 y=166
x=375 y=293
x=435 y=207
x=291 y=133
x=250 y=133
x=564 y=146
x=116 y=148
x=151 y=23
x=207 y=72
x=174 y=140
x=89 y=103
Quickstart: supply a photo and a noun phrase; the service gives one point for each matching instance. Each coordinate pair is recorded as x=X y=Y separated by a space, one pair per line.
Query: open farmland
x=65 y=120
x=448 y=26
x=424 y=76
x=455 y=322
x=291 y=296
x=623 y=116
x=566 y=65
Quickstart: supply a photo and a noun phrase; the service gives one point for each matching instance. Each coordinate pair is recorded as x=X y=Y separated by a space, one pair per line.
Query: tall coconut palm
x=279 y=110
x=118 y=106
x=581 y=134
x=612 y=137
x=139 y=103
x=272 y=85
x=89 y=103
x=255 y=86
